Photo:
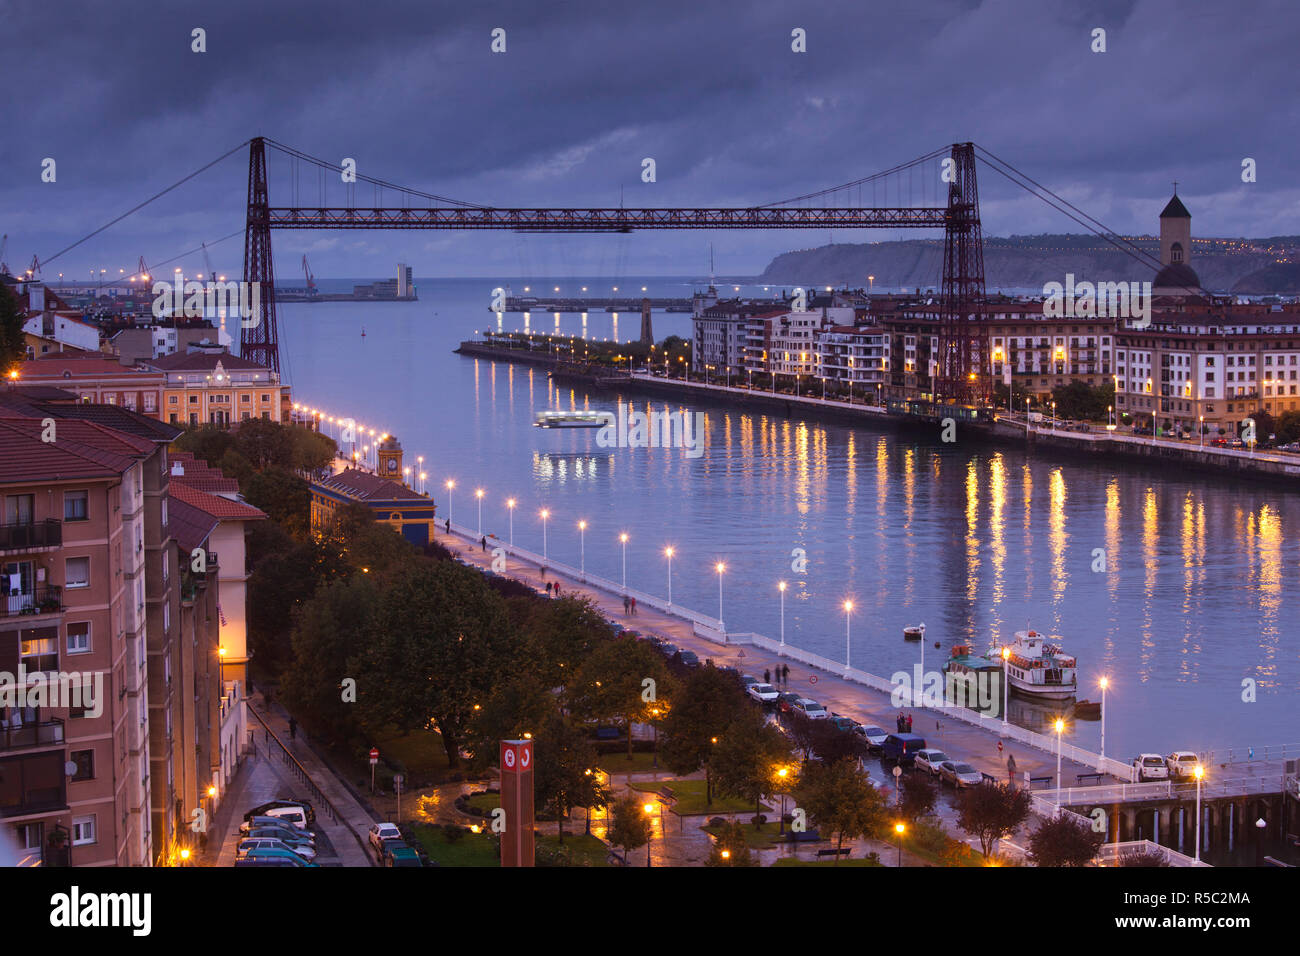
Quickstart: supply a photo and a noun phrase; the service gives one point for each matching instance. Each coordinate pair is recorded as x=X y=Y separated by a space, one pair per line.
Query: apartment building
x=856 y=358
x=210 y=386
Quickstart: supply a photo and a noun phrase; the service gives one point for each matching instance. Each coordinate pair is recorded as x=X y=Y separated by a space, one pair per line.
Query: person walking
x=1011 y=770
x=483 y=542
x=448 y=526
x=293 y=729
x=626 y=605
x=767 y=676
x=548 y=588
x=634 y=607
x=909 y=723
x=785 y=673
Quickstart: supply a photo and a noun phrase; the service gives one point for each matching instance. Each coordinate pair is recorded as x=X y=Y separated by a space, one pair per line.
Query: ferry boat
x=1038 y=668
x=573 y=419
x=915 y=632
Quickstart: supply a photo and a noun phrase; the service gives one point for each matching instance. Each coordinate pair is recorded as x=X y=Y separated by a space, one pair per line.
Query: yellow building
x=217 y=388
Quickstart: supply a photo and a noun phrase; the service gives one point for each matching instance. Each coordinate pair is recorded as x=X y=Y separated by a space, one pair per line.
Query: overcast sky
x=585 y=90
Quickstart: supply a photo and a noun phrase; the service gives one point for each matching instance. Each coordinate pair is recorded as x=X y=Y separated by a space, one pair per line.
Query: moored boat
x=1037 y=667
x=915 y=632
x=573 y=419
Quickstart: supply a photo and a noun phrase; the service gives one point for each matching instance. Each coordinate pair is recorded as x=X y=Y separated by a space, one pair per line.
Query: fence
x=1163 y=790
x=319 y=800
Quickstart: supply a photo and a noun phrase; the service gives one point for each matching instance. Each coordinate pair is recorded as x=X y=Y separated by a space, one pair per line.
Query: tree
x=1288 y=427
x=831 y=744
x=629 y=824
x=839 y=798
x=1067 y=840
x=562 y=775
x=324 y=639
x=284 y=497
x=730 y=847
x=611 y=683
x=560 y=636
x=990 y=812
x=517 y=705
x=1136 y=858
x=436 y=644
x=13 y=347
x=918 y=794
x=746 y=756
x=207 y=442
x=703 y=708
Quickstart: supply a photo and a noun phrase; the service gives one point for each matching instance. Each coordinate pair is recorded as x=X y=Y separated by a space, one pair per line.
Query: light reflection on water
x=1198 y=592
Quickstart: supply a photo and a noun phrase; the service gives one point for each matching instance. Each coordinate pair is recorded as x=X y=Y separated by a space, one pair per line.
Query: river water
x=1193 y=619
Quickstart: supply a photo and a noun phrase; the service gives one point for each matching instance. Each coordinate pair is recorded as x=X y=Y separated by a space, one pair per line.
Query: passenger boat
x=914 y=633
x=1037 y=668
x=573 y=419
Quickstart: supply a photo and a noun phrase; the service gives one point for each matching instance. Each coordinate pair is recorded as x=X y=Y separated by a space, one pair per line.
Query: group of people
x=904 y=722
x=782 y=674
x=552 y=588
x=629 y=605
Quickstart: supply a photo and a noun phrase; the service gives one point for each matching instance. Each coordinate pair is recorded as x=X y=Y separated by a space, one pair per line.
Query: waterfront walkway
x=961 y=741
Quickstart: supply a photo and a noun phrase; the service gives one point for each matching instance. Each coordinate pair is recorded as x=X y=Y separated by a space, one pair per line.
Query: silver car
x=960 y=774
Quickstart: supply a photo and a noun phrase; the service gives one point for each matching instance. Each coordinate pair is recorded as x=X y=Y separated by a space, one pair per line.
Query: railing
x=1248 y=754
x=46 y=599
x=1112 y=854
x=32 y=735
x=319 y=800
x=1162 y=790
x=38 y=534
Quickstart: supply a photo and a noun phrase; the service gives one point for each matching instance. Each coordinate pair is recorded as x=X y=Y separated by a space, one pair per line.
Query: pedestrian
x=767 y=676
x=909 y=723
x=557 y=588
x=1011 y=770
x=293 y=729
x=785 y=673
x=626 y=605
x=548 y=588
x=448 y=526
x=483 y=542
x=634 y=607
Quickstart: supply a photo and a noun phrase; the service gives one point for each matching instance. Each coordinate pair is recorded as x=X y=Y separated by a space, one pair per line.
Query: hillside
x=1027 y=262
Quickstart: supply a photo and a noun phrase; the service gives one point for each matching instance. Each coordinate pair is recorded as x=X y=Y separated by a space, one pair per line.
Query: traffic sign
x=374 y=756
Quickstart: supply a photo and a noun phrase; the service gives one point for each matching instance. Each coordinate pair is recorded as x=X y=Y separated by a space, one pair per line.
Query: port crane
x=311 y=279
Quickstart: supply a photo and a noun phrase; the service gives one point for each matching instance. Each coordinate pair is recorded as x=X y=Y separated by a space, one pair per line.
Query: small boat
x=363 y=333
x=1037 y=668
x=573 y=419
x=914 y=633
x=1087 y=709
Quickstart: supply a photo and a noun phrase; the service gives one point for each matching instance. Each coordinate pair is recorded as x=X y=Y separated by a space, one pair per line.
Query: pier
x=594 y=304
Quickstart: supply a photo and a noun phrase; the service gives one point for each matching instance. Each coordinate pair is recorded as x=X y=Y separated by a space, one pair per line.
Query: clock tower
x=389 y=458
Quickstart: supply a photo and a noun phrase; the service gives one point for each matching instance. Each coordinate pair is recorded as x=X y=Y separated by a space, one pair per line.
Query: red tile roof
x=364 y=486
x=201 y=361
x=221 y=508
x=190 y=526
x=80 y=450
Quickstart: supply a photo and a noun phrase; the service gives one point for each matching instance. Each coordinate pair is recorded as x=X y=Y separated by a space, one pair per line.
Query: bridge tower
x=258 y=339
x=962 y=365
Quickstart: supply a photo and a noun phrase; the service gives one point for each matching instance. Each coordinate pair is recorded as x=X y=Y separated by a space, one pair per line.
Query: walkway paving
x=959 y=740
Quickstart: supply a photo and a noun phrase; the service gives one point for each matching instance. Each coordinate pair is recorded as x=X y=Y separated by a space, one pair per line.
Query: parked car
x=265 y=861
x=785 y=701
x=765 y=694
x=875 y=736
x=271 y=843
x=291 y=837
x=959 y=774
x=901 y=748
x=667 y=649
x=281 y=820
x=1151 y=767
x=690 y=659
x=263 y=853
x=846 y=724
x=1182 y=764
x=929 y=759
x=286 y=803
x=399 y=853
x=379 y=832
x=747 y=679
x=810 y=709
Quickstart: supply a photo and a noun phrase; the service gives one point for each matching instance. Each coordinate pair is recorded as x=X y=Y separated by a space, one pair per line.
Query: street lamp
x=783 y=773
x=1060 y=727
x=1199 y=772
x=720 y=567
x=669 y=552
x=781 y=587
x=848 y=647
x=478 y=493
x=623 y=538
x=899 y=829
x=451 y=484
x=1006 y=683
x=510 y=504
x=545 y=514
x=1202 y=420
x=649 y=809
x=582 y=549
x=1105 y=682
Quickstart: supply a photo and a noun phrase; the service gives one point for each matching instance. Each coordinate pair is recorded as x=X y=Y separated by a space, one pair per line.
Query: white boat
x=1037 y=667
x=573 y=419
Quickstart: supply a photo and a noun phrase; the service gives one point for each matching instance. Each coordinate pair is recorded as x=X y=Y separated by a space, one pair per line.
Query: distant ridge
x=1245 y=266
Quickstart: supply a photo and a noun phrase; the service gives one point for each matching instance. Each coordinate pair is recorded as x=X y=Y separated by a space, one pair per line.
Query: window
x=150 y=402
x=85 y=761
x=79 y=637
x=245 y=397
x=167 y=616
x=164 y=512
x=19 y=509
x=75 y=504
x=83 y=830
x=76 y=573
x=171 y=399
x=194 y=399
x=39 y=650
x=266 y=398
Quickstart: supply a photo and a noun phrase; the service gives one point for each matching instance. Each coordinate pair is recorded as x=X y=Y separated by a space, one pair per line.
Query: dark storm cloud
x=711 y=91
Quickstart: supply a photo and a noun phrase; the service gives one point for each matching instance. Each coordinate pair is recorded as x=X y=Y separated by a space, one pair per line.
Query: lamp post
x=1053 y=416
x=545 y=514
x=1060 y=726
x=1202 y=429
x=899 y=829
x=1199 y=772
x=451 y=484
x=1105 y=682
x=423 y=476
x=783 y=773
x=781 y=587
x=720 y=567
x=510 y=506
x=649 y=809
x=1006 y=683
x=669 y=552
x=848 y=646
x=623 y=540
x=419 y=460
x=582 y=549
x=478 y=493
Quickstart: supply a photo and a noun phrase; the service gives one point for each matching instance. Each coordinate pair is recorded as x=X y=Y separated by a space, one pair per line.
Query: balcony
x=43 y=734
x=46 y=599
x=31 y=536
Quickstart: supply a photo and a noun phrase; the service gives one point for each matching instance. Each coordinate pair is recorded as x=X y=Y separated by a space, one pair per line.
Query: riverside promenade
x=943 y=728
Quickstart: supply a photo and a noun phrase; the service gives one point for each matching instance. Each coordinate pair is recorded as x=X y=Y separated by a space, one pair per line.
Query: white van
x=295 y=815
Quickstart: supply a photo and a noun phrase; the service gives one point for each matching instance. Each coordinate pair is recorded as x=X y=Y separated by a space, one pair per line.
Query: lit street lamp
x=582 y=549
x=848 y=647
x=899 y=828
x=545 y=514
x=781 y=587
x=1199 y=772
x=1105 y=682
x=623 y=538
x=510 y=504
x=451 y=484
x=1060 y=727
x=720 y=567
x=1006 y=684
x=478 y=493
x=669 y=552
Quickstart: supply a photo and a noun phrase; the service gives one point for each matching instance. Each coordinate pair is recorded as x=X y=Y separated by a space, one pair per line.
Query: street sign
x=374 y=756
x=398 y=780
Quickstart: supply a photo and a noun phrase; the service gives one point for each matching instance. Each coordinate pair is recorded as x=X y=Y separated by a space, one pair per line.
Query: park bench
x=1094 y=777
x=833 y=852
x=666 y=794
x=1043 y=781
